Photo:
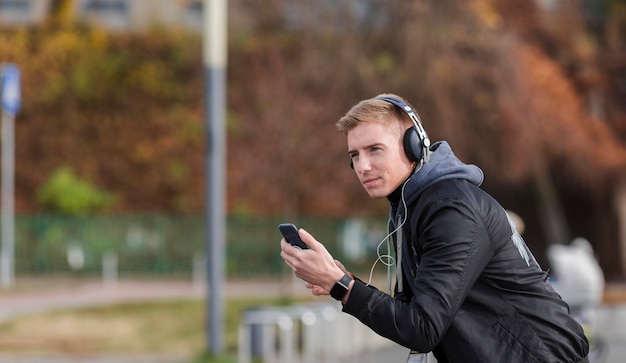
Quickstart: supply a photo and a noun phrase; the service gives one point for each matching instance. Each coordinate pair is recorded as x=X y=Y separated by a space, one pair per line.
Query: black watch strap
x=340 y=289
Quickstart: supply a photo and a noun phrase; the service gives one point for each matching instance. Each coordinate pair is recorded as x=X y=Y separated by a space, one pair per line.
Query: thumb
x=309 y=240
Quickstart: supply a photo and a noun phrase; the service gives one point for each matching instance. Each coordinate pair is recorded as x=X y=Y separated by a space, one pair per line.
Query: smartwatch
x=340 y=289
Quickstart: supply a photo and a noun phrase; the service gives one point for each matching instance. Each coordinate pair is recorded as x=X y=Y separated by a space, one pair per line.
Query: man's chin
x=376 y=194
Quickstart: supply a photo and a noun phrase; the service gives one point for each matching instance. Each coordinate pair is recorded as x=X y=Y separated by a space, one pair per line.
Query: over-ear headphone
x=415 y=140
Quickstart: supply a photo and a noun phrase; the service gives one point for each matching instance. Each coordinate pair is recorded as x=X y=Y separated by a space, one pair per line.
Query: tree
x=506 y=86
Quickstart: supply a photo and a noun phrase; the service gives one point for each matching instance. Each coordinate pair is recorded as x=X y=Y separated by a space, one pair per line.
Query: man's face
x=378 y=157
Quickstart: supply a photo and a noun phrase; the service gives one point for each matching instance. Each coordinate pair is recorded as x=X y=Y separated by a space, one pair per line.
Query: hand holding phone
x=290 y=232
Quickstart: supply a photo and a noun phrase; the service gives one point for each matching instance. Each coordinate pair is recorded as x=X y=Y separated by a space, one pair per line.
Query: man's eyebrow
x=366 y=147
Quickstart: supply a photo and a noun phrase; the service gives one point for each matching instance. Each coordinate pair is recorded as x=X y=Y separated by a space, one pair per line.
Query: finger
x=314 y=289
x=287 y=256
x=287 y=248
x=310 y=240
x=319 y=291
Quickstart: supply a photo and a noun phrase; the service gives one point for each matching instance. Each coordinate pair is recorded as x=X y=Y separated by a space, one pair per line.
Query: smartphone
x=290 y=232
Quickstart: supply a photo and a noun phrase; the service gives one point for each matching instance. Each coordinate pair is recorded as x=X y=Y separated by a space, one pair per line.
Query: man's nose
x=361 y=164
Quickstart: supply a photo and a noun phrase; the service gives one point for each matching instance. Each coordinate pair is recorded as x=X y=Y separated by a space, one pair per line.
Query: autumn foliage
x=504 y=82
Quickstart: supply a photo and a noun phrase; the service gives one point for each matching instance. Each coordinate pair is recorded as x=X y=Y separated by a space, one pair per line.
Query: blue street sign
x=10 y=89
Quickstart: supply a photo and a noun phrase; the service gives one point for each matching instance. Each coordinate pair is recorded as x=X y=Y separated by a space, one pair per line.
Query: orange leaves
x=564 y=133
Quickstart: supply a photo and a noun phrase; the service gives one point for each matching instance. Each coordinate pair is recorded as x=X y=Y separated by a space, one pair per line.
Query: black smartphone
x=290 y=232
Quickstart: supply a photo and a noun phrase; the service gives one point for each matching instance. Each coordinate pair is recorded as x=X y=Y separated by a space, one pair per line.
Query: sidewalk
x=41 y=295
x=96 y=293
x=90 y=359
x=90 y=294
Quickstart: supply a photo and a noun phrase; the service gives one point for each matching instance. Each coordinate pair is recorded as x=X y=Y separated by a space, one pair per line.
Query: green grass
x=176 y=328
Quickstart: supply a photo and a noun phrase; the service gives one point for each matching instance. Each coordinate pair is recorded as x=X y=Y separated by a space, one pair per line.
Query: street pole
x=215 y=55
x=8 y=218
x=10 y=90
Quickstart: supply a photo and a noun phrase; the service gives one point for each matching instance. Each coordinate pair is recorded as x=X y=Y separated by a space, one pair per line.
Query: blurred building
x=23 y=12
x=114 y=15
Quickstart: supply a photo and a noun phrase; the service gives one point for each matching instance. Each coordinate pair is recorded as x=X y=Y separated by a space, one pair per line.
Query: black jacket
x=478 y=294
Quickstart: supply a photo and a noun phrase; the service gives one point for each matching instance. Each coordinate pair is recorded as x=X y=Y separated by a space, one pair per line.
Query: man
x=467 y=288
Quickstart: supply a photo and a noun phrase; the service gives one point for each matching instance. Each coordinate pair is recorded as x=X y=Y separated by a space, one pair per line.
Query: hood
x=443 y=165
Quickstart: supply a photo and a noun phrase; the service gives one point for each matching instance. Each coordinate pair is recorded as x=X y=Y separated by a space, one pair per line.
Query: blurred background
x=110 y=138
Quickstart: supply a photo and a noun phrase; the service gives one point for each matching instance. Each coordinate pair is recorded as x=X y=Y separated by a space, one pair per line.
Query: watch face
x=340 y=288
x=338 y=291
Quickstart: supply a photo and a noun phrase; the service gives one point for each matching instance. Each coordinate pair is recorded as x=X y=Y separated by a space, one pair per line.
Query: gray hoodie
x=443 y=165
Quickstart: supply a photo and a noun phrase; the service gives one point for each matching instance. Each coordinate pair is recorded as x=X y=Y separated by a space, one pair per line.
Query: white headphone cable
x=387 y=259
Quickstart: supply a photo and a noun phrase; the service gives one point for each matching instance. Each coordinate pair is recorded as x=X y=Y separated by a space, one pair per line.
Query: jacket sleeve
x=454 y=249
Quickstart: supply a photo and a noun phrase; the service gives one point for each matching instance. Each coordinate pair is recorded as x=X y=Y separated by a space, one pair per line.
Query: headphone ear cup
x=412 y=144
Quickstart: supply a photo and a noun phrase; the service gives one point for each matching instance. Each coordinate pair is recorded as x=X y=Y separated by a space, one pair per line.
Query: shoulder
x=458 y=202
x=452 y=190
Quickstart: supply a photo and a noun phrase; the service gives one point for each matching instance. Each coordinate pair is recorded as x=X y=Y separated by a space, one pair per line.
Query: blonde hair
x=374 y=110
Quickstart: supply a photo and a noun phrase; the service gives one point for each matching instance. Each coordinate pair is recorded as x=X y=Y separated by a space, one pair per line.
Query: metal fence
x=313 y=333
x=166 y=245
